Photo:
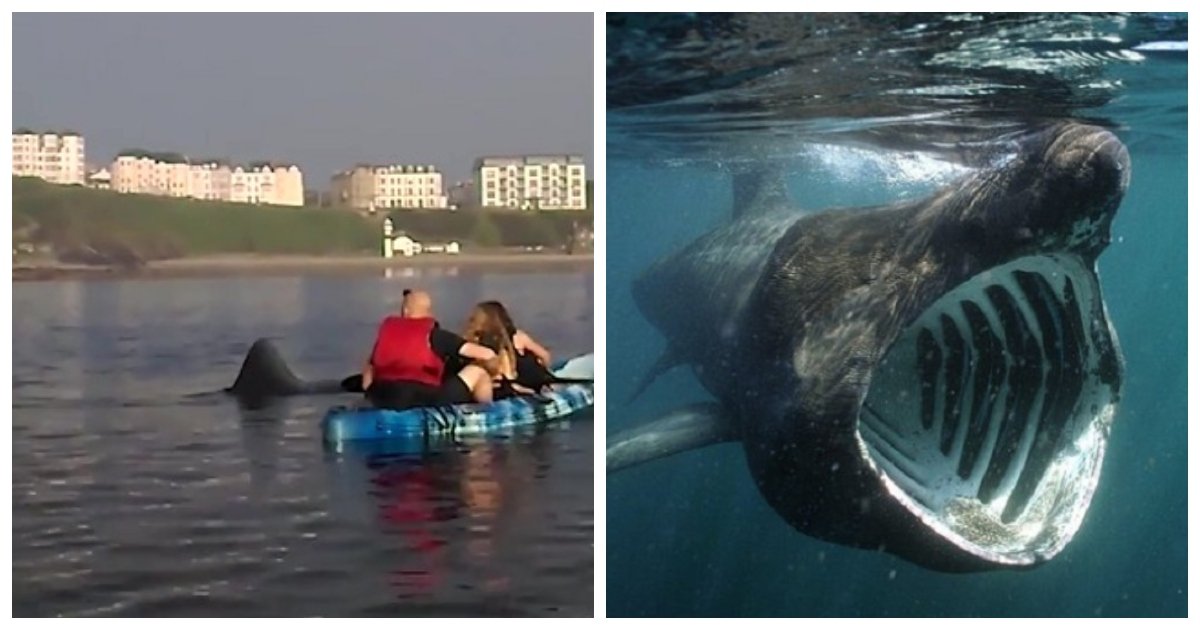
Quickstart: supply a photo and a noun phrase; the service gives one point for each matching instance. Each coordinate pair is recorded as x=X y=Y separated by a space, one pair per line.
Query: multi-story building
x=203 y=179
x=56 y=157
x=138 y=172
x=463 y=194
x=404 y=186
x=532 y=182
x=243 y=186
x=176 y=179
x=289 y=186
x=390 y=186
x=219 y=179
x=167 y=174
x=354 y=188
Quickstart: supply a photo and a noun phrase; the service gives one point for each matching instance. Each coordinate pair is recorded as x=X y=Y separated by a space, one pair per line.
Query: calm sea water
x=859 y=110
x=135 y=492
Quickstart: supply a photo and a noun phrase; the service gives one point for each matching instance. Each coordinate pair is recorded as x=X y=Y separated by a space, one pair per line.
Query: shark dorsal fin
x=759 y=192
x=265 y=375
x=264 y=372
x=682 y=429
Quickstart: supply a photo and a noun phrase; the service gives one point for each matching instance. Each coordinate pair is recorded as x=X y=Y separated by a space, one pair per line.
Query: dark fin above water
x=668 y=360
x=682 y=429
x=266 y=375
x=759 y=192
x=352 y=383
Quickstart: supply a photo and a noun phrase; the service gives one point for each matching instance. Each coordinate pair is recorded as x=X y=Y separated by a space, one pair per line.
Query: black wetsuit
x=531 y=373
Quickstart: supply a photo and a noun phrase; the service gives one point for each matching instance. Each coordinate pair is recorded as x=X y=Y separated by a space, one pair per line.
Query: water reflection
x=418 y=273
x=261 y=430
x=454 y=509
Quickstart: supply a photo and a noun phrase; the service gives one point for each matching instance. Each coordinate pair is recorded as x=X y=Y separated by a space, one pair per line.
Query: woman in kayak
x=521 y=362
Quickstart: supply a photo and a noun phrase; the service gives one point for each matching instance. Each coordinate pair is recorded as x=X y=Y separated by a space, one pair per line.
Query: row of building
x=173 y=176
x=59 y=157
x=393 y=186
x=534 y=182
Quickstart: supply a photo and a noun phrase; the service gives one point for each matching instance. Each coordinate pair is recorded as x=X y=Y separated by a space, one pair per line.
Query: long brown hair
x=489 y=325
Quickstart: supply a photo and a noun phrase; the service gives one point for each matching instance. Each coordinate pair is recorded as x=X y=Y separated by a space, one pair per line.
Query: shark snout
x=1092 y=161
x=1094 y=170
x=1060 y=195
x=1063 y=197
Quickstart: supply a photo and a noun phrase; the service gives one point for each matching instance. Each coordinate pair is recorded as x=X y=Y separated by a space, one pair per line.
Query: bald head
x=417 y=304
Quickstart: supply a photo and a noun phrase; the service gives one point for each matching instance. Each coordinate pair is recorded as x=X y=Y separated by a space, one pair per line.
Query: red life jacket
x=402 y=352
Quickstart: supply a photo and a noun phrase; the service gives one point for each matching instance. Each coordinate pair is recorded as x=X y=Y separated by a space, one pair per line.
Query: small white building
x=100 y=179
x=401 y=244
x=404 y=245
x=441 y=248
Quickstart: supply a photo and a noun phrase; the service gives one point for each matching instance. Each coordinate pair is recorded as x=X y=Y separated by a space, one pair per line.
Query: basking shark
x=936 y=379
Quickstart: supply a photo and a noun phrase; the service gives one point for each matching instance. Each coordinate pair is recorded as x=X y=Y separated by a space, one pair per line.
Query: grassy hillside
x=492 y=228
x=73 y=220
x=83 y=225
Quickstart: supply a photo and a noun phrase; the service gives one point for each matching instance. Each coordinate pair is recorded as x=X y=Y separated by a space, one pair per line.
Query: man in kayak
x=408 y=362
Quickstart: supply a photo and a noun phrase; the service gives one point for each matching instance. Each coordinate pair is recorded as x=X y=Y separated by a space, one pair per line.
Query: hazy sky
x=323 y=91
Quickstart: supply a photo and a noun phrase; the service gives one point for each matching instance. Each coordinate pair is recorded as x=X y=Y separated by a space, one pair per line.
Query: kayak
x=350 y=424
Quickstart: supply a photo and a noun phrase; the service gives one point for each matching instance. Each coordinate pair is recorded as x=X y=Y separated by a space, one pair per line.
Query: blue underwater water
x=691 y=535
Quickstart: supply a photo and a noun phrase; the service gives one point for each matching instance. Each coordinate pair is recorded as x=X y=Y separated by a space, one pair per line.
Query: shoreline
x=236 y=265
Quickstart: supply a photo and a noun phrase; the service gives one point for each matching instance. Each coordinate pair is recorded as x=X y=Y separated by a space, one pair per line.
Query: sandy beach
x=246 y=264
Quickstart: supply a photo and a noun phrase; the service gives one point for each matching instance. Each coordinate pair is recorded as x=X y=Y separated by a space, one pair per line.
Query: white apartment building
x=389 y=186
x=280 y=185
x=406 y=186
x=176 y=179
x=533 y=182
x=201 y=176
x=151 y=175
x=138 y=174
x=211 y=180
x=251 y=185
x=54 y=157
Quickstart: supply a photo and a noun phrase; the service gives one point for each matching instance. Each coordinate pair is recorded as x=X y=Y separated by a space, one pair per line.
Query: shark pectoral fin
x=668 y=360
x=759 y=192
x=680 y=430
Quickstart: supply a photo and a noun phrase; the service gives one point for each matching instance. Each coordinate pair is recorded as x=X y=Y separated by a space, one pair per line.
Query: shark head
x=938 y=378
x=1059 y=192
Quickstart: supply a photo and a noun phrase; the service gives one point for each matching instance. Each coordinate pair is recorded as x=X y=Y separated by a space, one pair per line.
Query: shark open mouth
x=989 y=416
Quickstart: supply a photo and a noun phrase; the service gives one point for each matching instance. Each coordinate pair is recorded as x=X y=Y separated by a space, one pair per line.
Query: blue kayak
x=349 y=424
